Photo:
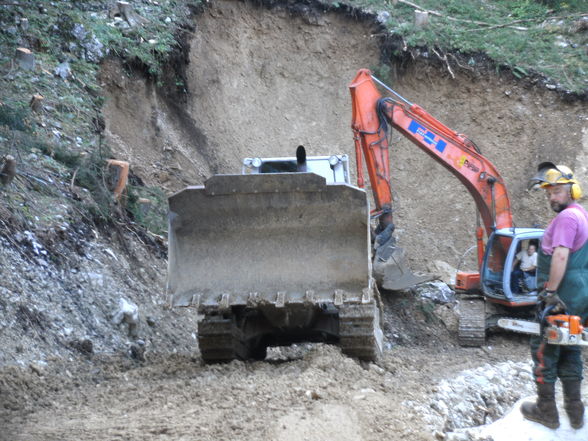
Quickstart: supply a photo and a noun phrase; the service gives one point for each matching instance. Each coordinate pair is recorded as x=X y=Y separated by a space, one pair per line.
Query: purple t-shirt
x=568 y=229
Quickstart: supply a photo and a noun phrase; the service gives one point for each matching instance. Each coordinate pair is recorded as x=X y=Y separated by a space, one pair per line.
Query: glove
x=550 y=299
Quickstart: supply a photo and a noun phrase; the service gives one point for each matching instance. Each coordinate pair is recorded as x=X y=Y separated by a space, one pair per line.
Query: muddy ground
x=306 y=393
x=258 y=82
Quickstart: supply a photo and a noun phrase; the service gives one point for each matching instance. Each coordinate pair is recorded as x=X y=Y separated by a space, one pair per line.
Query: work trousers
x=555 y=361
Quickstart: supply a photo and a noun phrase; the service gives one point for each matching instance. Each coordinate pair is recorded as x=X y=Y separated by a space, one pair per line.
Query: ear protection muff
x=575 y=190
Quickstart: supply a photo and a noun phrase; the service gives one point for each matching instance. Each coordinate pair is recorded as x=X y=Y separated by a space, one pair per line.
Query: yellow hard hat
x=550 y=174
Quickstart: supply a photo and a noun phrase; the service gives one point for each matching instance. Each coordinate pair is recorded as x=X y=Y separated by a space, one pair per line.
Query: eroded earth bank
x=259 y=80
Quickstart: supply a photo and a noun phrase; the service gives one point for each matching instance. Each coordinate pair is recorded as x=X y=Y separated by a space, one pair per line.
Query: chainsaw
x=559 y=329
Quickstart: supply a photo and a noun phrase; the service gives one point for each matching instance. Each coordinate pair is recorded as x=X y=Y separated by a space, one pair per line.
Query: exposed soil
x=312 y=393
x=259 y=82
x=262 y=82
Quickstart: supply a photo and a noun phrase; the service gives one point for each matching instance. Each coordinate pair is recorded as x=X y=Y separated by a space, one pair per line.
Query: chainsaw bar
x=518 y=325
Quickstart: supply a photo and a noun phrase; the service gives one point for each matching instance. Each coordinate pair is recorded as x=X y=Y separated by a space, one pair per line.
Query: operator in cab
x=526 y=271
x=562 y=277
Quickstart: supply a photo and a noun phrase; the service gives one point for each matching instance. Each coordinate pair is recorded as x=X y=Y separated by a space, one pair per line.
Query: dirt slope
x=263 y=81
x=260 y=82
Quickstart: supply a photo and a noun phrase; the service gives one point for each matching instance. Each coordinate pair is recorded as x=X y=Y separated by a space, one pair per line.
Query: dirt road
x=312 y=392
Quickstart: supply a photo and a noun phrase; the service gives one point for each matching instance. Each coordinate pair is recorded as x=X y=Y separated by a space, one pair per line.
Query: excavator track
x=472 y=321
x=360 y=334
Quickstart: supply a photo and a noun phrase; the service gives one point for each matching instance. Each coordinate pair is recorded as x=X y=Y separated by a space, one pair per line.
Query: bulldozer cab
x=499 y=278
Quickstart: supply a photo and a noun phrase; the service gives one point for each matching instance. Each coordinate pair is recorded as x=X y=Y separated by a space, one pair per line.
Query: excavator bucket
x=274 y=259
x=391 y=269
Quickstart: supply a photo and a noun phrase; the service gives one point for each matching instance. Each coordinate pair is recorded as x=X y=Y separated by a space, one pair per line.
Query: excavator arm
x=371 y=120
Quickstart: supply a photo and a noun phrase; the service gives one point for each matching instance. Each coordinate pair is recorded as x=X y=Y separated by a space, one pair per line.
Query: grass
x=549 y=45
x=66 y=133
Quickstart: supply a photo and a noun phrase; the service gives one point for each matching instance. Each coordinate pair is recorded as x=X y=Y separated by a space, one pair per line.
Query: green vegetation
x=148 y=206
x=547 y=37
x=61 y=142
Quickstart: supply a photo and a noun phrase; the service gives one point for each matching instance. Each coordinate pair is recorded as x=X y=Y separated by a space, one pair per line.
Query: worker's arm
x=559 y=262
x=514 y=264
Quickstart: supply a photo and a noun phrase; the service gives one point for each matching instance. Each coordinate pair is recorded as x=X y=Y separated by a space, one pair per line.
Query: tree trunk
x=36 y=103
x=421 y=19
x=125 y=11
x=25 y=58
x=8 y=171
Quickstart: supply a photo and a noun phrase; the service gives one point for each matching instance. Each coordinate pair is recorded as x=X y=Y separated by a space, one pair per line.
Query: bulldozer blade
x=268 y=238
x=392 y=272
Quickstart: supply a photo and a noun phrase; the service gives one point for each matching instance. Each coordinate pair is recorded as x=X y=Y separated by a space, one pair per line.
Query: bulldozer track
x=472 y=322
x=359 y=331
x=219 y=340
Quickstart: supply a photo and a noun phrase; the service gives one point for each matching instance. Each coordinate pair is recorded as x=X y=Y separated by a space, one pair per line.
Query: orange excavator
x=488 y=290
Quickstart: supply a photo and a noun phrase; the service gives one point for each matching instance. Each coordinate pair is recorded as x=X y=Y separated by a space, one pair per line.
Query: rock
x=62 y=70
x=36 y=368
x=437 y=291
x=84 y=345
x=137 y=350
x=94 y=49
x=444 y=271
x=448 y=316
x=150 y=321
x=313 y=395
x=475 y=397
x=383 y=17
x=79 y=32
x=439 y=435
x=128 y=313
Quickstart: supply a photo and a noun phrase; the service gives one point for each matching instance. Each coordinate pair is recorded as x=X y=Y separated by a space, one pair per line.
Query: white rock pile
x=475 y=397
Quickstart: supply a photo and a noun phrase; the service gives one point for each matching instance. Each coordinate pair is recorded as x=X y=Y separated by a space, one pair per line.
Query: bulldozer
x=267 y=259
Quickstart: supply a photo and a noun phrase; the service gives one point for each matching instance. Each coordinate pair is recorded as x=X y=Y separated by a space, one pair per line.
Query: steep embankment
x=262 y=81
x=259 y=81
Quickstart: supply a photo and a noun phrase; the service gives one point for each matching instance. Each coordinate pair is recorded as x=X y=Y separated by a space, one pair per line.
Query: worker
x=562 y=272
x=526 y=271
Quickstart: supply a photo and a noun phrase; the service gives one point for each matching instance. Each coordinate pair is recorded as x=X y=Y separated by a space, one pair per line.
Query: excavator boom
x=372 y=115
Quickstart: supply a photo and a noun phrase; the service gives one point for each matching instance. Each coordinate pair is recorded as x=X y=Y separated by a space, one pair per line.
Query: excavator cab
x=497 y=280
x=496 y=283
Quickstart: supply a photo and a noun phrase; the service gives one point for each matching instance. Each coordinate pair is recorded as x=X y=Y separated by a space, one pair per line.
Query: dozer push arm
x=371 y=116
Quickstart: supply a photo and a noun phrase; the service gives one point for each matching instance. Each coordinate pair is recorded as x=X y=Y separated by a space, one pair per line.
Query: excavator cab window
x=502 y=277
x=522 y=280
x=495 y=260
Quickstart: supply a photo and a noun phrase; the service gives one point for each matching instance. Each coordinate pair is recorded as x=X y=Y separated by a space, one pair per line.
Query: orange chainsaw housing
x=566 y=321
